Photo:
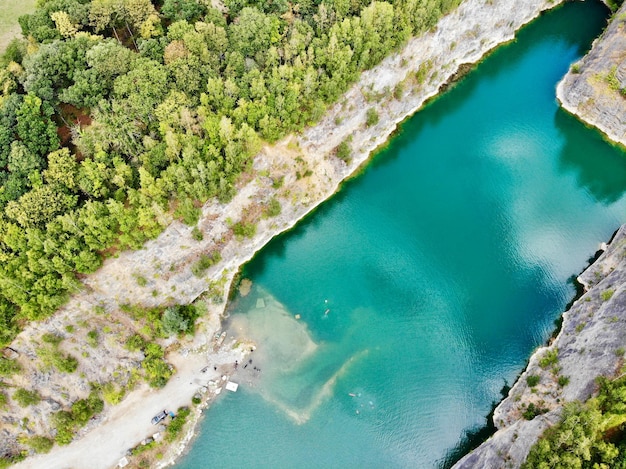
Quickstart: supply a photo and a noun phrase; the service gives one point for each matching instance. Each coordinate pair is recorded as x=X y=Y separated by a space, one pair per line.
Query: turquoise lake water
x=424 y=285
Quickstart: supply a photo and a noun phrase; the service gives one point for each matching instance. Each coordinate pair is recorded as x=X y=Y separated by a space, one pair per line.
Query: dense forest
x=117 y=116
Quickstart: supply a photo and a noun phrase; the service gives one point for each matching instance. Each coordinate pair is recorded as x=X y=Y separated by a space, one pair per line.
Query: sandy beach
x=462 y=37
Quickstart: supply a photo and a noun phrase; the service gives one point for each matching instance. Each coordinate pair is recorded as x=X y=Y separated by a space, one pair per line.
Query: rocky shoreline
x=590 y=342
x=594 y=89
x=165 y=264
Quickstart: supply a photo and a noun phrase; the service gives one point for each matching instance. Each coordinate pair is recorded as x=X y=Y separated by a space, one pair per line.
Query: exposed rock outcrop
x=595 y=88
x=589 y=344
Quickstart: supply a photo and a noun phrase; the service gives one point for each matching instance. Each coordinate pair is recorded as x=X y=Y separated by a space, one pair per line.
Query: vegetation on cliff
x=589 y=435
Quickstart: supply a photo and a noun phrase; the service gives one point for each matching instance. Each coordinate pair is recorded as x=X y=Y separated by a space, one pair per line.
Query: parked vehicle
x=158 y=417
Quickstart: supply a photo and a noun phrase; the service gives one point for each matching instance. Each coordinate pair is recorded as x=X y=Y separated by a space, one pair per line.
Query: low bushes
x=24 y=397
x=66 y=423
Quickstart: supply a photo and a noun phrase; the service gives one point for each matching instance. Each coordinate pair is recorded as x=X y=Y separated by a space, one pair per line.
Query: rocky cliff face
x=595 y=88
x=593 y=333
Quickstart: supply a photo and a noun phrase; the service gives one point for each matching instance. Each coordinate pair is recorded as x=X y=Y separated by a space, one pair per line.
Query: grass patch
x=92 y=338
x=244 y=229
x=11 y=11
x=197 y=234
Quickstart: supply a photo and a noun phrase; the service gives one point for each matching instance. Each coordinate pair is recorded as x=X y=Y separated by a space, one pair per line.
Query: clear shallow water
x=443 y=265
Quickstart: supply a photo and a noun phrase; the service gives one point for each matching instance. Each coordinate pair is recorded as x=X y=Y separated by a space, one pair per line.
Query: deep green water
x=443 y=266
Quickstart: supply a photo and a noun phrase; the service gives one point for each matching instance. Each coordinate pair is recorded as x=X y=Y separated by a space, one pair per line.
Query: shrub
x=84 y=409
x=398 y=91
x=371 y=118
x=9 y=367
x=205 y=261
x=67 y=423
x=63 y=423
x=273 y=208
x=532 y=411
x=176 y=426
x=551 y=357
x=53 y=339
x=65 y=363
x=606 y=295
x=179 y=319
x=24 y=397
x=10 y=459
x=158 y=371
x=244 y=229
x=532 y=380
x=92 y=338
x=563 y=381
x=197 y=234
x=112 y=394
x=422 y=72
x=139 y=449
x=135 y=342
x=52 y=356
x=343 y=151
x=41 y=444
x=4 y=400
